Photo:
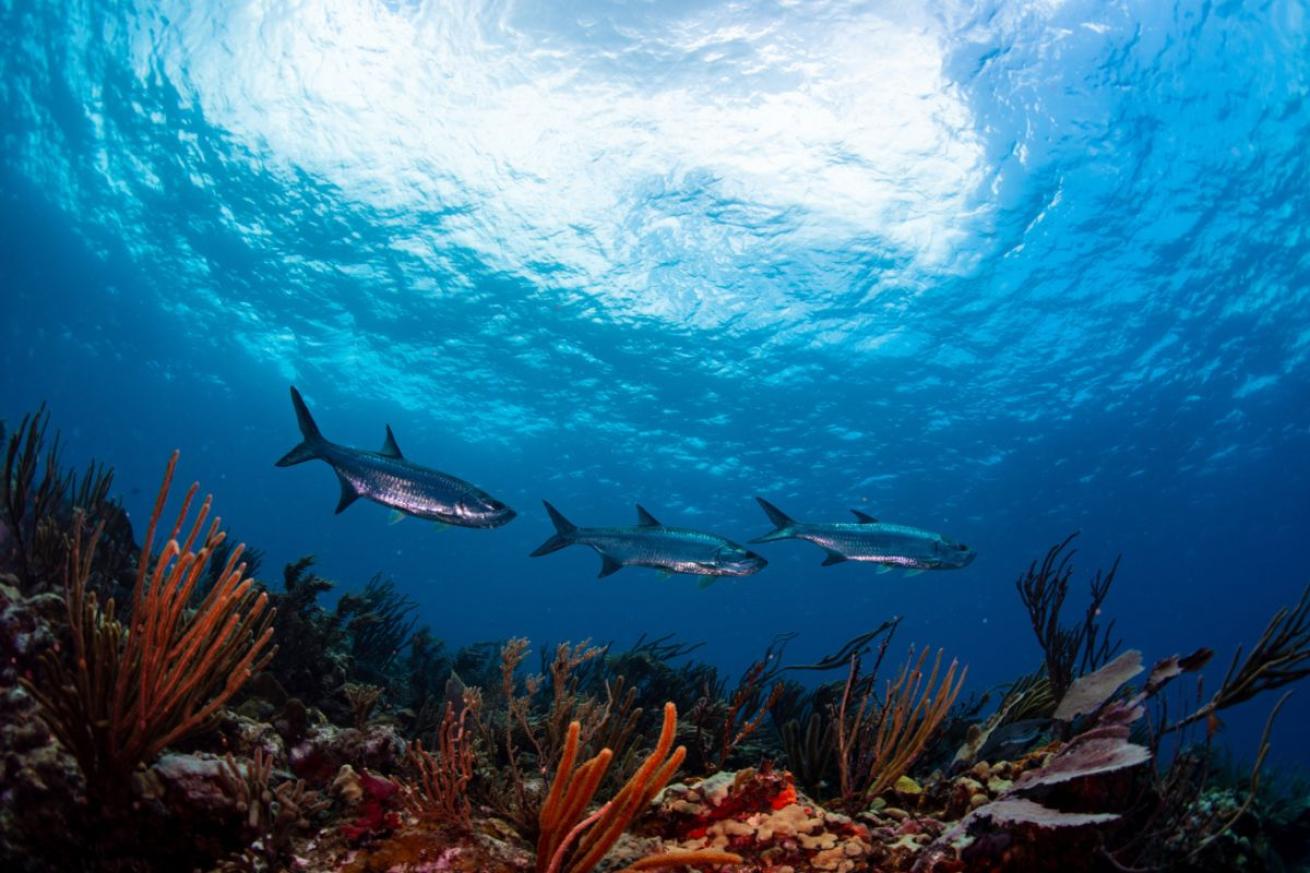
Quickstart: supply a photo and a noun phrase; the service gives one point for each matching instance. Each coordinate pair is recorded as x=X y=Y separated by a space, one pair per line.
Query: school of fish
x=387 y=477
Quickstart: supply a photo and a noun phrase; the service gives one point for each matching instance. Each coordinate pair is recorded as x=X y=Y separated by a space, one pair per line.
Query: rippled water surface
x=1003 y=270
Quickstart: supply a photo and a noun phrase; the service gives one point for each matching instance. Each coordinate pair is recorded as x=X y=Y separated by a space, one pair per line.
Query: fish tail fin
x=563 y=532
x=311 y=446
x=783 y=524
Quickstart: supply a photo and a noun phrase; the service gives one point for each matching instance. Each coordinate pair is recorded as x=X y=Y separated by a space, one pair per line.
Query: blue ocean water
x=999 y=269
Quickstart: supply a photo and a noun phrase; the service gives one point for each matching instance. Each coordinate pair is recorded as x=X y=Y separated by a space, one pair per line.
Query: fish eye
x=962 y=547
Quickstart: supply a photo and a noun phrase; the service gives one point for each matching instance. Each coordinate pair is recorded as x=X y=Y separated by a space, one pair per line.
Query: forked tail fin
x=782 y=523
x=563 y=532
x=309 y=449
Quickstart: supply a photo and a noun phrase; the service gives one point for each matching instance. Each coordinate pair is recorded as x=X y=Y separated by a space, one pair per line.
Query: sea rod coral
x=132 y=688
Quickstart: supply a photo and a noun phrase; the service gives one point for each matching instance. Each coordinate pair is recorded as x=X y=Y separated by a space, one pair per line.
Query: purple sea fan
x=1018 y=811
x=1103 y=750
x=1089 y=692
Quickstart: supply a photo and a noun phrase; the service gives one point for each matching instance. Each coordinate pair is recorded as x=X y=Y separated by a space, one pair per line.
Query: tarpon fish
x=869 y=540
x=651 y=544
x=389 y=478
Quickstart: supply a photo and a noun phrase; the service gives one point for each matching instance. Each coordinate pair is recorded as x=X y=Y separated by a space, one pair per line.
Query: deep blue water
x=1003 y=270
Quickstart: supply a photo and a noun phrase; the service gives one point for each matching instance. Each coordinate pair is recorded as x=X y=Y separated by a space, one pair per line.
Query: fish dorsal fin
x=833 y=558
x=645 y=519
x=389 y=447
x=864 y=517
x=348 y=494
x=608 y=566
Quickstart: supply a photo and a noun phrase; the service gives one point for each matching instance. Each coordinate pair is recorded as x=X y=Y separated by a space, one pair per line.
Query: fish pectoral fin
x=608 y=566
x=665 y=574
x=833 y=558
x=348 y=494
x=396 y=517
x=389 y=447
x=884 y=568
x=863 y=517
x=706 y=581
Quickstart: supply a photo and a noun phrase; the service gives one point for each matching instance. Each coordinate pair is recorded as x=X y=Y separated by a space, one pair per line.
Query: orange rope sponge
x=562 y=820
x=683 y=859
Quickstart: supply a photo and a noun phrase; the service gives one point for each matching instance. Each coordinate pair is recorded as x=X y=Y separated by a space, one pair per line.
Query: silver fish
x=651 y=544
x=871 y=541
x=389 y=478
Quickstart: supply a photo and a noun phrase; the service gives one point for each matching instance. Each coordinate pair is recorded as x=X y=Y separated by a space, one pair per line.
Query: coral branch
x=1068 y=651
x=877 y=743
x=134 y=689
x=444 y=779
x=1281 y=656
x=562 y=821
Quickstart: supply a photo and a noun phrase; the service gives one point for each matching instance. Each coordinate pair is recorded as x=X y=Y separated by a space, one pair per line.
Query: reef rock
x=326 y=748
x=759 y=815
x=24 y=628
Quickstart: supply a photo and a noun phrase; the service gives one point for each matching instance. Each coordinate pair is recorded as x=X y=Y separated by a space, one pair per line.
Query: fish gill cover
x=990 y=271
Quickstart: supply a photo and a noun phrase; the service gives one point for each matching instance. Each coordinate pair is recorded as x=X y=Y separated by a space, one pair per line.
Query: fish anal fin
x=914 y=572
x=883 y=568
x=863 y=517
x=665 y=574
x=833 y=558
x=389 y=447
x=645 y=519
x=608 y=566
x=706 y=581
x=348 y=494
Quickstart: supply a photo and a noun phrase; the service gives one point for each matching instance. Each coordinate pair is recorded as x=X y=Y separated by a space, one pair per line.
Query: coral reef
x=215 y=725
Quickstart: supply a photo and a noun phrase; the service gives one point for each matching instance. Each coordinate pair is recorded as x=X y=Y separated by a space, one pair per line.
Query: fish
x=651 y=544
x=389 y=478
x=1012 y=740
x=871 y=541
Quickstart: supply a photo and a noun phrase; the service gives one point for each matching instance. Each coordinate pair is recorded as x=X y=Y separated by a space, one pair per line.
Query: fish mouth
x=748 y=565
x=485 y=518
x=501 y=516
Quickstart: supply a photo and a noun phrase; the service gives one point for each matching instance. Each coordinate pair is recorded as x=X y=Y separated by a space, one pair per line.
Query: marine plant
x=41 y=503
x=879 y=737
x=648 y=670
x=129 y=689
x=378 y=622
x=806 y=719
x=306 y=635
x=1068 y=651
x=722 y=726
x=441 y=792
x=363 y=700
x=425 y=667
x=271 y=816
x=1281 y=656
